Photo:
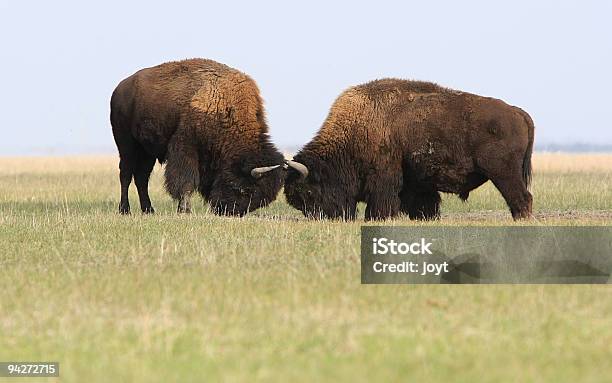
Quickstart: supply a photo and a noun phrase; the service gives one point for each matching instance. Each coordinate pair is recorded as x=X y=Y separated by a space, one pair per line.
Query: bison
x=206 y=121
x=395 y=144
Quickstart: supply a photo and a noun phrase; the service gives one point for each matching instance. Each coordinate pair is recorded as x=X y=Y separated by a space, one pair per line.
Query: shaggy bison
x=396 y=144
x=206 y=121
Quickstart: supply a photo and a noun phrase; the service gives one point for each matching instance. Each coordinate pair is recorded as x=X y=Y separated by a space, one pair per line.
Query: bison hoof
x=148 y=210
x=522 y=217
x=523 y=214
x=124 y=210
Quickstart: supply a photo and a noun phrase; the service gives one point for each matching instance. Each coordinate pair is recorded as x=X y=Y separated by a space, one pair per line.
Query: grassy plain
x=272 y=296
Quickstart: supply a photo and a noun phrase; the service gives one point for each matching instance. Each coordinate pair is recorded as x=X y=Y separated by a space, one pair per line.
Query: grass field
x=274 y=297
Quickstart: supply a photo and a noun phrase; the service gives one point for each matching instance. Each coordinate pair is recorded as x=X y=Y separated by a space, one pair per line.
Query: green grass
x=274 y=297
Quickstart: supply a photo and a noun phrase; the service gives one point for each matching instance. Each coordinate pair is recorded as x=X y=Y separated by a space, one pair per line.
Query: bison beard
x=397 y=144
x=204 y=120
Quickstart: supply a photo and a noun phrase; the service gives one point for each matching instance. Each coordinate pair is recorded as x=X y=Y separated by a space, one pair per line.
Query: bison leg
x=184 y=205
x=422 y=205
x=182 y=173
x=382 y=207
x=384 y=201
x=125 y=178
x=515 y=193
x=141 y=178
x=127 y=161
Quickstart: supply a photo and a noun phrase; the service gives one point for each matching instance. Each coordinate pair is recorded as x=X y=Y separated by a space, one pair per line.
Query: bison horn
x=258 y=172
x=301 y=168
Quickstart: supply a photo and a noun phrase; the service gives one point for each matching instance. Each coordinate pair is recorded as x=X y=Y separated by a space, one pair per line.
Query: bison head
x=318 y=189
x=246 y=184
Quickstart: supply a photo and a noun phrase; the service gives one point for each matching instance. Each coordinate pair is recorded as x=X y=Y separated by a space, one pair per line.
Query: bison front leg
x=184 y=204
x=383 y=198
x=421 y=205
x=182 y=173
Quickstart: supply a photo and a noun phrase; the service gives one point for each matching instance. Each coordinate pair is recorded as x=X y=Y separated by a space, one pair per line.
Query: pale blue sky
x=61 y=60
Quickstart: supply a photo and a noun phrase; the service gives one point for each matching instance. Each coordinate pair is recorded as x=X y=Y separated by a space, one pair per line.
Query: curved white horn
x=258 y=172
x=301 y=168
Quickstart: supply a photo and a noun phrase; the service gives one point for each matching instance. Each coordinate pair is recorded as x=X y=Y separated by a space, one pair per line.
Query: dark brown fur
x=206 y=121
x=396 y=144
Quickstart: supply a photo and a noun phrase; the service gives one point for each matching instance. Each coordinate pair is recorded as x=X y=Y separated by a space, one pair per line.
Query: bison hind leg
x=510 y=183
x=126 y=173
x=517 y=197
x=142 y=172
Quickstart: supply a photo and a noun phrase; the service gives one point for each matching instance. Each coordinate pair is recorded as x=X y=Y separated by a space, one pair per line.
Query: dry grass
x=61 y=164
x=542 y=162
x=566 y=163
x=272 y=296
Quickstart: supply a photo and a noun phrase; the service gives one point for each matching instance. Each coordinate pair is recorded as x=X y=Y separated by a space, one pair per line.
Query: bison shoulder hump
x=232 y=90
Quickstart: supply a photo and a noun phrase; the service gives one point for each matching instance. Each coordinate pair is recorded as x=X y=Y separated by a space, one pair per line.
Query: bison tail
x=528 y=152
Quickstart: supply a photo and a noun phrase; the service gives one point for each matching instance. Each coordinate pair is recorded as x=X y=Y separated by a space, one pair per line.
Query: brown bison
x=206 y=121
x=396 y=144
